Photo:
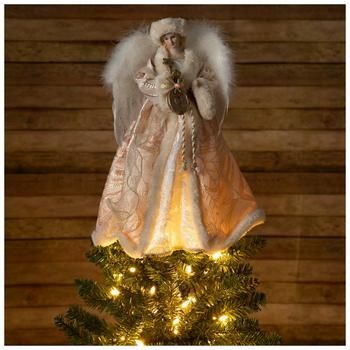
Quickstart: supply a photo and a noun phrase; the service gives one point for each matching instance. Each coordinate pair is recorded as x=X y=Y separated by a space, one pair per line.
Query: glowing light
x=188 y=269
x=192 y=299
x=132 y=269
x=185 y=304
x=118 y=276
x=176 y=331
x=223 y=319
x=139 y=342
x=122 y=338
x=214 y=318
x=176 y=321
x=152 y=291
x=216 y=255
x=114 y=292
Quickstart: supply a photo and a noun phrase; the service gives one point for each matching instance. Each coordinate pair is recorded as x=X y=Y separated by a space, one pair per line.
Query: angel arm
x=154 y=87
x=203 y=88
x=145 y=80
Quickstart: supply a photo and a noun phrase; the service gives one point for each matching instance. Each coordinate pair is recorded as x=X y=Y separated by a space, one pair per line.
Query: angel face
x=172 y=41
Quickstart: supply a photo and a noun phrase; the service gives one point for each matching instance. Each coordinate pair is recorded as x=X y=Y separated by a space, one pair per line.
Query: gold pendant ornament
x=177 y=101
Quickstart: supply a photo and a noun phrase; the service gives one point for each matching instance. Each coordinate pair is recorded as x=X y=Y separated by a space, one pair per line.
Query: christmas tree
x=184 y=298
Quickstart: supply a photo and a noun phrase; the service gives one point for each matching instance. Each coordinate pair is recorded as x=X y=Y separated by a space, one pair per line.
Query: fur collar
x=190 y=68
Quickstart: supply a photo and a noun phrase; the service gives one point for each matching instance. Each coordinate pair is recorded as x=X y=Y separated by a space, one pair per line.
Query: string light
x=122 y=338
x=216 y=255
x=176 y=321
x=188 y=269
x=118 y=276
x=187 y=303
x=192 y=299
x=132 y=269
x=139 y=342
x=152 y=291
x=114 y=292
x=223 y=319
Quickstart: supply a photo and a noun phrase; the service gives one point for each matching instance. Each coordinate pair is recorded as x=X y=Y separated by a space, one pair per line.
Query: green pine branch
x=181 y=299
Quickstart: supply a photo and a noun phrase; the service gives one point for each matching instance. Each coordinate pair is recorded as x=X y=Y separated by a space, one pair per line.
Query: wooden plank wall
x=285 y=127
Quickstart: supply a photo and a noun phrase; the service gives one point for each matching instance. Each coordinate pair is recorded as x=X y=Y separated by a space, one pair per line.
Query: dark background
x=285 y=127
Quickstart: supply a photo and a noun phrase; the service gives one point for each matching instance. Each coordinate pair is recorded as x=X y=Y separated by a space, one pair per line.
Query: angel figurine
x=173 y=183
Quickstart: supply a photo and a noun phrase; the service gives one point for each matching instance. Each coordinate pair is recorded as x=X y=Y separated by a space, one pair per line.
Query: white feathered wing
x=207 y=42
x=127 y=57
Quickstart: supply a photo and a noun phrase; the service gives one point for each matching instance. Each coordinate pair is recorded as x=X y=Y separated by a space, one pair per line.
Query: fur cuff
x=204 y=98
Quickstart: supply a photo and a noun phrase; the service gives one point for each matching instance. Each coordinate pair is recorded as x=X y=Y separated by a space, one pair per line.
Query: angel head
x=169 y=32
x=173 y=41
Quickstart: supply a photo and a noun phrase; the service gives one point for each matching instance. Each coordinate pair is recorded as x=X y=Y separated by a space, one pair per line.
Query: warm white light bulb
x=139 y=342
x=185 y=304
x=192 y=299
x=176 y=331
x=118 y=276
x=216 y=255
x=152 y=291
x=176 y=321
x=114 y=292
x=188 y=269
x=132 y=269
x=122 y=338
x=223 y=319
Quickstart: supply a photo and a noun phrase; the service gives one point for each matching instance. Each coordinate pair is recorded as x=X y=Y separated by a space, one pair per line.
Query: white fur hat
x=165 y=26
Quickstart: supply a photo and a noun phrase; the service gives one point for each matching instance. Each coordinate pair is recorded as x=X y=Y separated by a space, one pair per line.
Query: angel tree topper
x=173 y=183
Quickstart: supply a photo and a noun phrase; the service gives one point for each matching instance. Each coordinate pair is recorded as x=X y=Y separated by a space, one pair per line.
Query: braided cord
x=183 y=140
x=193 y=141
x=182 y=121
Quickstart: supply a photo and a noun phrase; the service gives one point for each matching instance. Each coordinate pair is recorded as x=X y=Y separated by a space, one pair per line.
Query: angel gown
x=151 y=205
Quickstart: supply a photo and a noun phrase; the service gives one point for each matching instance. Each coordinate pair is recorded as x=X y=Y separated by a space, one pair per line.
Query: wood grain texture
x=280 y=226
x=260 y=182
x=100 y=162
x=87 y=206
x=236 y=119
x=235 y=30
x=104 y=141
x=246 y=74
x=244 y=97
x=245 y=52
x=222 y=12
x=309 y=335
x=301 y=314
